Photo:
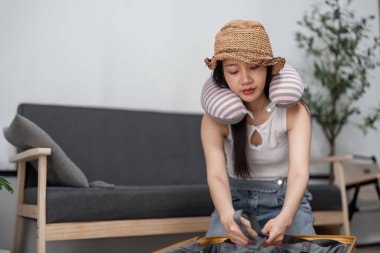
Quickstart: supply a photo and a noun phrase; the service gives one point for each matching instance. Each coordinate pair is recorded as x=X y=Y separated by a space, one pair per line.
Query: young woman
x=261 y=163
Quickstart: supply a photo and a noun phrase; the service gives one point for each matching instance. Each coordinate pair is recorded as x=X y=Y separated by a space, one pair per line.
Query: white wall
x=137 y=54
x=140 y=55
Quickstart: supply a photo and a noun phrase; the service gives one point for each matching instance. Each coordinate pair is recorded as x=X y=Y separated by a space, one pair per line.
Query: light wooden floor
x=368 y=249
x=365 y=225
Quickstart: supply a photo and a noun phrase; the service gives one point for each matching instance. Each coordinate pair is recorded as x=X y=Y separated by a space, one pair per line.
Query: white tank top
x=269 y=160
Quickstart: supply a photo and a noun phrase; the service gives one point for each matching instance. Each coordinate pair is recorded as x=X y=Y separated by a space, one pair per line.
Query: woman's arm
x=299 y=136
x=213 y=135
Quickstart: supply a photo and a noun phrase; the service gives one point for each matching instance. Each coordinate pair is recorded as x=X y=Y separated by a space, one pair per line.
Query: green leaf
x=4 y=183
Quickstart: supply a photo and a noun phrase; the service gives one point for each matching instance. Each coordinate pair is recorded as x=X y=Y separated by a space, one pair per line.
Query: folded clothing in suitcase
x=290 y=244
x=299 y=244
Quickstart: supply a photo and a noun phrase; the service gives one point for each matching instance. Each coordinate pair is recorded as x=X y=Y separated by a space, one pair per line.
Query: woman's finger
x=239 y=239
x=267 y=227
x=248 y=226
x=273 y=237
x=237 y=236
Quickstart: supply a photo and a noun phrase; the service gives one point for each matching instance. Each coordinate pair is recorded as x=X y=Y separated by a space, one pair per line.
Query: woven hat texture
x=246 y=41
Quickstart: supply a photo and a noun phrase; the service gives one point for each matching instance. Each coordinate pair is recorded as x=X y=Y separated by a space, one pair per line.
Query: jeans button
x=279 y=181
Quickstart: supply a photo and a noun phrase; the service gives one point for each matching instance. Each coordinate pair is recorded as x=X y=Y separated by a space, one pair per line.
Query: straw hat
x=247 y=41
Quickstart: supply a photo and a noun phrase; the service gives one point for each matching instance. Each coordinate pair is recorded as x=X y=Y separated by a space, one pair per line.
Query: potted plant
x=343 y=53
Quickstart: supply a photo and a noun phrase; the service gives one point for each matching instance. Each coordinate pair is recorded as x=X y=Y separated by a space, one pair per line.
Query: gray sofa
x=155 y=161
x=144 y=174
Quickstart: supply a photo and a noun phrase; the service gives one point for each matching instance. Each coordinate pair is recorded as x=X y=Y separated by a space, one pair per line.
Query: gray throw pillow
x=61 y=171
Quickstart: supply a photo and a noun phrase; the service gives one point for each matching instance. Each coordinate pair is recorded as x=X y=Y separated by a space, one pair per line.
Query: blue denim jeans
x=265 y=199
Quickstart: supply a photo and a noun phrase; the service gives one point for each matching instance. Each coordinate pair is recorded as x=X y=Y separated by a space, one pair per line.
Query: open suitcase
x=290 y=244
x=221 y=244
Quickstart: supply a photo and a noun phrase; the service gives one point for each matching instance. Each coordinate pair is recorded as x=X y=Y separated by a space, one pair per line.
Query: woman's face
x=244 y=79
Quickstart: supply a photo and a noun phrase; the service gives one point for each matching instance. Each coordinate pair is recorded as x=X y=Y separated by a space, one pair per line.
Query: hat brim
x=277 y=62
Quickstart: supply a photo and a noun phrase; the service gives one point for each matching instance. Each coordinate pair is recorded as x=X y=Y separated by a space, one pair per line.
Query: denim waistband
x=261 y=185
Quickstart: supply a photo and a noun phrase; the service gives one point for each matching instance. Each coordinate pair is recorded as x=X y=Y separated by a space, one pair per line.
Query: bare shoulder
x=210 y=126
x=299 y=114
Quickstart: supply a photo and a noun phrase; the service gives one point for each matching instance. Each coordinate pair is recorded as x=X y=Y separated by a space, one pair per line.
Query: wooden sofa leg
x=17 y=233
x=41 y=202
x=340 y=182
x=346 y=225
x=41 y=242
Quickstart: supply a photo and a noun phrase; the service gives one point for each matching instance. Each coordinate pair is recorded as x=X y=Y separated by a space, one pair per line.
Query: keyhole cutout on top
x=256 y=139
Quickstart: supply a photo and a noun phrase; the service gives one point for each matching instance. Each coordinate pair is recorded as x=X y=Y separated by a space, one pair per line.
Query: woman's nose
x=246 y=78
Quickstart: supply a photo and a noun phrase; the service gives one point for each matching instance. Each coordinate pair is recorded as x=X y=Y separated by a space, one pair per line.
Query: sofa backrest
x=125 y=147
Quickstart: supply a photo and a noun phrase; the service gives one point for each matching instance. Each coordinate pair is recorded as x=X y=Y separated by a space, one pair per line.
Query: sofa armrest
x=25 y=210
x=30 y=154
x=339 y=180
x=332 y=159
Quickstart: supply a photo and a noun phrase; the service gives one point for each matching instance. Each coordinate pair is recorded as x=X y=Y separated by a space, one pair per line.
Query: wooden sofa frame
x=139 y=227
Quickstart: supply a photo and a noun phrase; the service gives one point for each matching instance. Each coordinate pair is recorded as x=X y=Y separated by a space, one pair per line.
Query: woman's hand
x=276 y=229
x=234 y=232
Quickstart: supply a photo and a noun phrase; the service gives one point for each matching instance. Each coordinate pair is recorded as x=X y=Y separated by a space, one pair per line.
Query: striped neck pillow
x=225 y=107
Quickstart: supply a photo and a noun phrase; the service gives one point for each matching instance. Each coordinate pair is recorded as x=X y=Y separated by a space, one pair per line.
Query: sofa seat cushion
x=123 y=202
x=326 y=197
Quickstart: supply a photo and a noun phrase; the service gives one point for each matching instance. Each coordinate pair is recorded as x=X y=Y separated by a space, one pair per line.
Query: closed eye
x=254 y=67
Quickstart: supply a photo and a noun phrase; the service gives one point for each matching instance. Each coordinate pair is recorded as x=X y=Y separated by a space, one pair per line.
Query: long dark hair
x=239 y=130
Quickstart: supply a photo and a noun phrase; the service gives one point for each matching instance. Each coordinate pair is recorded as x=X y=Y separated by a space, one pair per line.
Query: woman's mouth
x=249 y=91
